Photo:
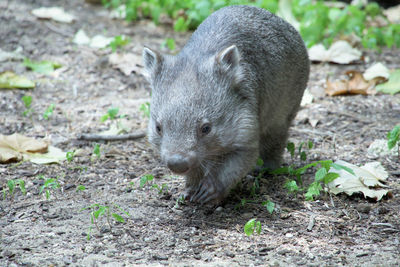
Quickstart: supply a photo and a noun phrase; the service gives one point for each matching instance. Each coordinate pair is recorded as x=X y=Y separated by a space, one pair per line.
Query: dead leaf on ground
x=340 y=52
x=17 y=147
x=10 y=80
x=376 y=70
x=393 y=14
x=392 y=86
x=126 y=63
x=355 y=85
x=369 y=179
x=53 y=13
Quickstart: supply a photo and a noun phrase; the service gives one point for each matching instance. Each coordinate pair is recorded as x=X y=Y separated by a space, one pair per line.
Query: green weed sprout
x=393 y=138
x=97 y=211
x=48 y=112
x=12 y=185
x=27 y=99
x=252 y=226
x=145 y=109
x=49 y=184
x=119 y=41
x=111 y=114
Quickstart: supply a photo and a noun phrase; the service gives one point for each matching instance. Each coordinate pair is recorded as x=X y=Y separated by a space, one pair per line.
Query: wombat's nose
x=178 y=163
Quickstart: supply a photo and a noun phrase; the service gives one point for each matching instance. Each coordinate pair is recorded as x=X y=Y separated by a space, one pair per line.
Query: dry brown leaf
x=23 y=143
x=355 y=85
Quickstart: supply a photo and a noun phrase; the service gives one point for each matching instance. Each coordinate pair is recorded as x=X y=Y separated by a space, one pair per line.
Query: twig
x=311 y=223
x=122 y=137
x=58 y=30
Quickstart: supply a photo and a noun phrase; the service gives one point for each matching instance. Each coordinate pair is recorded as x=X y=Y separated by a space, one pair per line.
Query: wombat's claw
x=206 y=192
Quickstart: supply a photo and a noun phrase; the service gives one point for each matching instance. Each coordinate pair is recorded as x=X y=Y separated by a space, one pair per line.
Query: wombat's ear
x=228 y=59
x=151 y=61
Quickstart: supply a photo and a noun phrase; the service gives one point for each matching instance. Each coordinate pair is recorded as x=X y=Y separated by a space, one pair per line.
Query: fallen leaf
x=44 y=66
x=340 y=52
x=18 y=147
x=15 y=55
x=393 y=14
x=379 y=148
x=368 y=179
x=307 y=98
x=392 y=86
x=9 y=80
x=54 y=13
x=81 y=38
x=126 y=63
x=375 y=71
x=100 y=41
x=355 y=85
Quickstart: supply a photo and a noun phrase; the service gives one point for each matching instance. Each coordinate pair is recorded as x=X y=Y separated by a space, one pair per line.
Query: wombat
x=227 y=98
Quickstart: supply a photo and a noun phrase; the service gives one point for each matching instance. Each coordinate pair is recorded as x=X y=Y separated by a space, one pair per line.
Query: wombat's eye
x=158 y=128
x=205 y=128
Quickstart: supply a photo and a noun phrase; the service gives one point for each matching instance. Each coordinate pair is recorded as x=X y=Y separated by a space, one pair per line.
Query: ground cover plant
x=112 y=202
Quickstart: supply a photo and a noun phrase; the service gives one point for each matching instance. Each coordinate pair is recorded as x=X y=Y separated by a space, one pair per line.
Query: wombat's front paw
x=208 y=191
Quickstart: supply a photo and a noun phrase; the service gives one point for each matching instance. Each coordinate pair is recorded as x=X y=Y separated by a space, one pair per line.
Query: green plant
x=111 y=114
x=321 y=176
x=96 y=151
x=145 y=109
x=98 y=210
x=119 y=41
x=393 y=138
x=27 y=99
x=48 y=112
x=161 y=188
x=252 y=226
x=269 y=205
x=70 y=155
x=292 y=149
x=169 y=43
x=179 y=201
x=44 y=67
x=80 y=188
x=147 y=178
x=49 y=184
x=12 y=185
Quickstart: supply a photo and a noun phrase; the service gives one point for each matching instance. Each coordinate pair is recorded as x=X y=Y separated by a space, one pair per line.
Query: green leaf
x=170 y=43
x=313 y=190
x=9 y=80
x=320 y=174
x=44 y=67
x=291 y=186
x=303 y=156
x=341 y=167
x=260 y=162
x=27 y=99
x=100 y=211
x=329 y=177
x=310 y=144
x=393 y=136
x=11 y=186
x=258 y=227
x=104 y=118
x=249 y=227
x=112 y=112
x=96 y=150
x=80 y=188
x=145 y=179
x=118 y=217
x=48 y=112
x=290 y=148
x=269 y=205
x=392 y=86
x=181 y=25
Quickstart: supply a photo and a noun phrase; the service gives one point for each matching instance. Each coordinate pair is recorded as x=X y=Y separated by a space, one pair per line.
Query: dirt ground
x=347 y=231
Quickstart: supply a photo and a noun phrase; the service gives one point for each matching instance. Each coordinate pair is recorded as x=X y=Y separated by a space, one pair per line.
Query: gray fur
x=243 y=73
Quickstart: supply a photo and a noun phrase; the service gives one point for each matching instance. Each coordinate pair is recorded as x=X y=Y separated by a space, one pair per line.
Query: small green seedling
x=12 y=185
x=180 y=201
x=147 y=178
x=269 y=205
x=169 y=43
x=96 y=151
x=97 y=211
x=48 y=112
x=303 y=155
x=145 y=109
x=80 y=188
x=49 y=184
x=393 y=138
x=111 y=114
x=161 y=188
x=27 y=99
x=70 y=155
x=119 y=41
x=252 y=226
x=44 y=67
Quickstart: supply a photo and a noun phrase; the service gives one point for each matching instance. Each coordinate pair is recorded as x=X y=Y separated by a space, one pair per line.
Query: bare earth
x=347 y=231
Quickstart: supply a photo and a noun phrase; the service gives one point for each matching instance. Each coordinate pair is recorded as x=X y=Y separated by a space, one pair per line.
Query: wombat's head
x=194 y=119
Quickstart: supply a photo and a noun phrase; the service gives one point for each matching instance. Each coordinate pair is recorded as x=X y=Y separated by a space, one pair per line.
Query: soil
x=334 y=230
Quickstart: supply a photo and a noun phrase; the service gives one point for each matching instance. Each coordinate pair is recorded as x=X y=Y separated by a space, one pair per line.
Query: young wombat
x=226 y=99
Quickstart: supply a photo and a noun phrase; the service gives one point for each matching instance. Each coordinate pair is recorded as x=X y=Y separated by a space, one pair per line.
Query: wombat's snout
x=179 y=163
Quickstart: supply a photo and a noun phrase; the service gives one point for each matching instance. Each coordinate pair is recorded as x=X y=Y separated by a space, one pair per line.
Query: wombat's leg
x=215 y=186
x=272 y=145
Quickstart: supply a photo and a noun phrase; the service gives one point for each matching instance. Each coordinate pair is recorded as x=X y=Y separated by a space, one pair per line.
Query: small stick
x=311 y=223
x=122 y=137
